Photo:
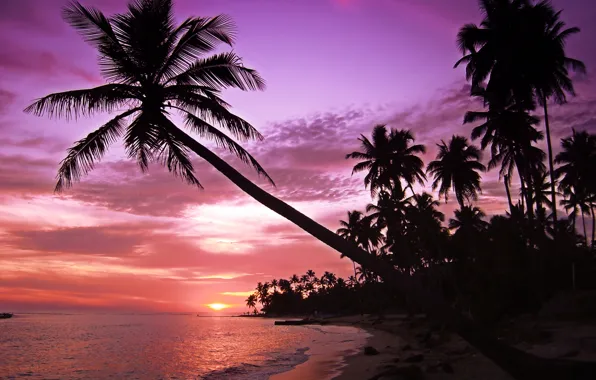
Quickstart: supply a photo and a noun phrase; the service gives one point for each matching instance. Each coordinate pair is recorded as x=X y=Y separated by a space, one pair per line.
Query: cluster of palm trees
x=155 y=68
x=306 y=293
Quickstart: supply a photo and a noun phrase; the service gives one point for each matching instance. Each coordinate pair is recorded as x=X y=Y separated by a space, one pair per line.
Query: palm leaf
x=221 y=71
x=86 y=152
x=72 y=104
x=206 y=130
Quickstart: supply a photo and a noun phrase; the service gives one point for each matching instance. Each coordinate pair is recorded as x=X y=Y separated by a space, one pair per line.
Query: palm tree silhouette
x=521 y=47
x=389 y=158
x=457 y=167
x=578 y=157
x=251 y=302
x=510 y=134
x=468 y=219
x=574 y=203
x=548 y=68
x=350 y=229
x=153 y=69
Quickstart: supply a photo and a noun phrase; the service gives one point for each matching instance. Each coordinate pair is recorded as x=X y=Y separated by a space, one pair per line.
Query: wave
x=282 y=362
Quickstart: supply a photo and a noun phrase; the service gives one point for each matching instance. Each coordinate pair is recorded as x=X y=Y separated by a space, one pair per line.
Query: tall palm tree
x=468 y=218
x=548 y=67
x=510 y=134
x=577 y=160
x=457 y=167
x=520 y=48
x=389 y=158
x=574 y=203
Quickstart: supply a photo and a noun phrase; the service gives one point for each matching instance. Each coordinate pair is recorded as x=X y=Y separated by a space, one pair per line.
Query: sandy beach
x=406 y=348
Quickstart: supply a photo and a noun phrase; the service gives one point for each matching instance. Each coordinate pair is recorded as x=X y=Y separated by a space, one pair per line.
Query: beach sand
x=396 y=340
x=405 y=344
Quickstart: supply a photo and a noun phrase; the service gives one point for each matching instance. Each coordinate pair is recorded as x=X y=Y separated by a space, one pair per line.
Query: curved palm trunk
x=519 y=364
x=550 y=162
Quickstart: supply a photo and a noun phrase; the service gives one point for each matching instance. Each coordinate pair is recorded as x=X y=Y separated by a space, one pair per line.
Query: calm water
x=157 y=346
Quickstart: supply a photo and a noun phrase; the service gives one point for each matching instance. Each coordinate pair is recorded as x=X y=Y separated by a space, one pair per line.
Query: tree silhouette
x=457 y=166
x=251 y=302
x=389 y=158
x=468 y=219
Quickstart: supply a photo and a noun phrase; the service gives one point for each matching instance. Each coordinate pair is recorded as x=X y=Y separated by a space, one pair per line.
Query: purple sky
x=334 y=69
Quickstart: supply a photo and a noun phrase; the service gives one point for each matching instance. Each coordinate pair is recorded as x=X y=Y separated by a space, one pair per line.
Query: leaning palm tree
x=457 y=167
x=155 y=68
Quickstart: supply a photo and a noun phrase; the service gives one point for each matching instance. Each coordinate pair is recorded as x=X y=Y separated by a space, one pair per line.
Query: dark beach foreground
x=406 y=348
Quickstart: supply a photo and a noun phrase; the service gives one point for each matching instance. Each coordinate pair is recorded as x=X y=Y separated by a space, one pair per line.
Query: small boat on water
x=5 y=315
x=300 y=322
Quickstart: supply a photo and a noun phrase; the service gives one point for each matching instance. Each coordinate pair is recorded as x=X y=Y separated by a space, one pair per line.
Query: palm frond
x=96 y=29
x=81 y=158
x=72 y=104
x=212 y=111
x=201 y=36
x=142 y=139
x=221 y=71
x=175 y=156
x=206 y=130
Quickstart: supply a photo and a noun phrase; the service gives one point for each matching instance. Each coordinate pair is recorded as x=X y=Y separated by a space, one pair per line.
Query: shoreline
x=405 y=348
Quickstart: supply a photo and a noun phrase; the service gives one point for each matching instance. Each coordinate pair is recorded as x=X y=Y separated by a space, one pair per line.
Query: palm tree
x=350 y=229
x=251 y=302
x=521 y=48
x=577 y=202
x=274 y=285
x=457 y=166
x=425 y=205
x=542 y=189
x=155 y=68
x=376 y=158
x=548 y=68
x=369 y=234
x=510 y=134
x=389 y=158
x=468 y=218
x=295 y=280
x=577 y=161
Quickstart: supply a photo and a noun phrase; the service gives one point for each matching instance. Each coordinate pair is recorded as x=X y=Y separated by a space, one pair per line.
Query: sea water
x=163 y=346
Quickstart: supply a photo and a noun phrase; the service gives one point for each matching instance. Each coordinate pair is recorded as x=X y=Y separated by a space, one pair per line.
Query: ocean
x=162 y=346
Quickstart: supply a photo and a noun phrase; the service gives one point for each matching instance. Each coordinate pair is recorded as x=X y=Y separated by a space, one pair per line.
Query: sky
x=122 y=240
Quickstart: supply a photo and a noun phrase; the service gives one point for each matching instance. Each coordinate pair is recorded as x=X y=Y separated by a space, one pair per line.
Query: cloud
x=6 y=100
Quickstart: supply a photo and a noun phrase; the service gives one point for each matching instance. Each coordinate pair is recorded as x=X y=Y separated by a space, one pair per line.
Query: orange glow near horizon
x=217 y=306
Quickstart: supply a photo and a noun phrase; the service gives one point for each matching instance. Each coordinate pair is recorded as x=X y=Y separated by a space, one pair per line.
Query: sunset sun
x=217 y=306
